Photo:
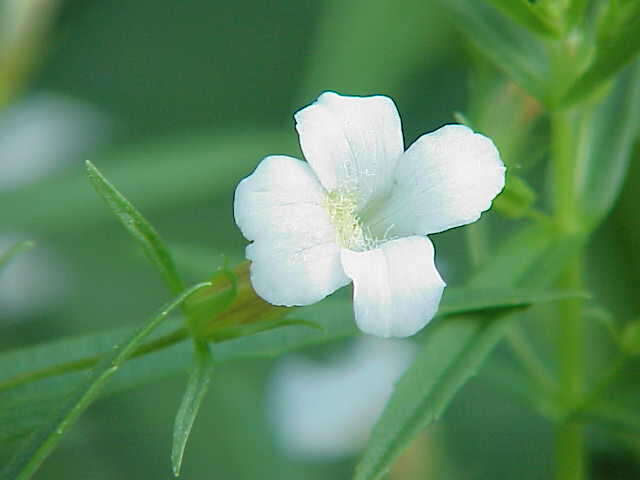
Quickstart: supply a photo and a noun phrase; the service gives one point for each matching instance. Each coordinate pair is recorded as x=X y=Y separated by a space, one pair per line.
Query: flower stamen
x=341 y=205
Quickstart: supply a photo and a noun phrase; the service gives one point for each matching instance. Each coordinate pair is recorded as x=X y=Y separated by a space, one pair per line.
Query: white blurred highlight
x=324 y=411
x=39 y=135
x=43 y=133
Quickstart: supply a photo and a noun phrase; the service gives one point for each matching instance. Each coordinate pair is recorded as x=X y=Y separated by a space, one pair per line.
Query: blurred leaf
x=510 y=48
x=158 y=174
x=449 y=356
x=619 y=416
x=608 y=137
x=532 y=257
x=516 y=258
x=27 y=407
x=604 y=318
x=332 y=319
x=575 y=12
x=458 y=301
x=614 y=50
x=516 y=199
x=197 y=387
x=455 y=350
x=138 y=227
x=38 y=447
x=630 y=338
x=503 y=111
x=507 y=377
x=246 y=330
x=554 y=260
x=402 y=35
x=527 y=14
x=14 y=250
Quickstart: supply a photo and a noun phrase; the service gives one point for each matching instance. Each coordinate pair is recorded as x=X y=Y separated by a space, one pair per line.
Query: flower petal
x=295 y=257
x=352 y=143
x=447 y=178
x=397 y=287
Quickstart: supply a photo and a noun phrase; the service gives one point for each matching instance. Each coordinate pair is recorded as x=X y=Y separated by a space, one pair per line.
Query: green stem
x=569 y=436
x=40 y=445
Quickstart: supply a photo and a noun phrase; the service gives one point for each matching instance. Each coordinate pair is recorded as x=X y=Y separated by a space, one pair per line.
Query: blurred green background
x=182 y=99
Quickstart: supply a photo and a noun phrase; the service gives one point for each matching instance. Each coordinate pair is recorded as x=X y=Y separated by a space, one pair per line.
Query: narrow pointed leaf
x=608 y=138
x=451 y=353
x=38 y=447
x=28 y=406
x=448 y=357
x=229 y=333
x=138 y=227
x=197 y=387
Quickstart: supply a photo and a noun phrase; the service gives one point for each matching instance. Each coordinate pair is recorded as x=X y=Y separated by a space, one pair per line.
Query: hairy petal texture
x=397 y=287
x=295 y=258
x=447 y=178
x=352 y=143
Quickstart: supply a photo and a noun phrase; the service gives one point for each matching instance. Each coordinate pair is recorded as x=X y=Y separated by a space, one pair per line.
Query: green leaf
x=619 y=416
x=630 y=338
x=575 y=12
x=14 y=250
x=608 y=135
x=515 y=51
x=517 y=257
x=458 y=301
x=454 y=350
x=38 y=447
x=527 y=14
x=229 y=333
x=138 y=227
x=197 y=387
x=28 y=406
x=614 y=51
x=450 y=355
x=158 y=174
x=508 y=378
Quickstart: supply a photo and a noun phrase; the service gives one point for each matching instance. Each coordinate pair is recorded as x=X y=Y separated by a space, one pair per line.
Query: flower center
x=341 y=205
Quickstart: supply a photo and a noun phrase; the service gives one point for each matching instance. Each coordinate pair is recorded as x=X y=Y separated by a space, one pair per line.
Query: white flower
x=359 y=209
x=326 y=410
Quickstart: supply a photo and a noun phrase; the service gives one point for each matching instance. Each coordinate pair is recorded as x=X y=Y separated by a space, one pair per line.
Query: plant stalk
x=570 y=448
